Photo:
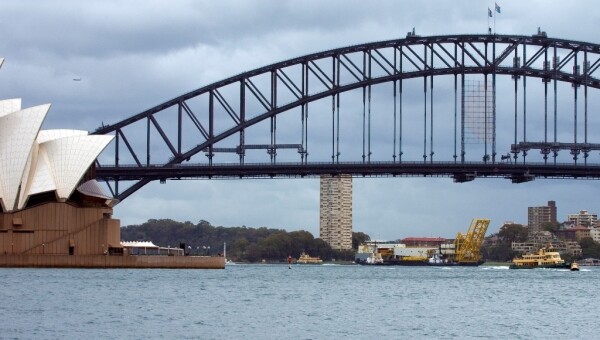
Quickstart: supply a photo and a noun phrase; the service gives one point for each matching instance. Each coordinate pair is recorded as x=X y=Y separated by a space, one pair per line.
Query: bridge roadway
x=461 y=172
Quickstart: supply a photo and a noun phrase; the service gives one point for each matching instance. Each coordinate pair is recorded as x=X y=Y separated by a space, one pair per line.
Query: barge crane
x=468 y=246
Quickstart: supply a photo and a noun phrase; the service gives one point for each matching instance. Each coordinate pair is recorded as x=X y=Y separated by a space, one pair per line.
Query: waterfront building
x=537 y=217
x=335 y=217
x=583 y=218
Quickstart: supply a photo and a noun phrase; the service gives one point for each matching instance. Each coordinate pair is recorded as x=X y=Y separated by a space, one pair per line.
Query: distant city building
x=595 y=234
x=574 y=234
x=492 y=240
x=538 y=216
x=573 y=248
x=564 y=247
x=423 y=241
x=335 y=220
x=541 y=237
x=524 y=247
x=583 y=218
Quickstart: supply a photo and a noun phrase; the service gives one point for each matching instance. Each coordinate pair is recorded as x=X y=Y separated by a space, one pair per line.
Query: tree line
x=246 y=244
x=243 y=244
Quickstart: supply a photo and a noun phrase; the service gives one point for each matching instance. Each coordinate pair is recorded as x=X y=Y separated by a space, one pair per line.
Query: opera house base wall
x=59 y=228
x=107 y=261
x=65 y=235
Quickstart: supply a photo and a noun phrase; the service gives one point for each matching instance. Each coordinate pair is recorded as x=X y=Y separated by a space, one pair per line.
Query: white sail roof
x=9 y=106
x=92 y=188
x=47 y=135
x=18 y=131
x=40 y=178
x=69 y=158
x=34 y=161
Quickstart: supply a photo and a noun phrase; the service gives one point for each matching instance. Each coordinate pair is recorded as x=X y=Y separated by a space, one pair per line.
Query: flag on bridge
x=497 y=7
x=489 y=12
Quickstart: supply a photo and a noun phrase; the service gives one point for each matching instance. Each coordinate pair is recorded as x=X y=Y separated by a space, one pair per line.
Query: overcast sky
x=133 y=55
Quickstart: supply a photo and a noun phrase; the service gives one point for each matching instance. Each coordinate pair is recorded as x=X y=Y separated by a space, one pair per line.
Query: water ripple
x=307 y=302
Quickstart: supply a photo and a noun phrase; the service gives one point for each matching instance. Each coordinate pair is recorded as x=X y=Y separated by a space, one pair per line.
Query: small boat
x=544 y=258
x=574 y=267
x=307 y=259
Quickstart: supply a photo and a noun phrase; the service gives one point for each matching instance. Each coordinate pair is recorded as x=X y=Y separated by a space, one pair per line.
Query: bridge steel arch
x=223 y=113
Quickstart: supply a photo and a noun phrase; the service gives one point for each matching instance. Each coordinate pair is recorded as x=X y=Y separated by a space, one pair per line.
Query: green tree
x=358 y=238
x=239 y=248
x=276 y=246
x=499 y=253
x=253 y=253
x=589 y=248
x=510 y=233
x=301 y=241
x=551 y=226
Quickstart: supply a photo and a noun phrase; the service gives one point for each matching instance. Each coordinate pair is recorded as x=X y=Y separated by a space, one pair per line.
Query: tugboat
x=574 y=267
x=544 y=258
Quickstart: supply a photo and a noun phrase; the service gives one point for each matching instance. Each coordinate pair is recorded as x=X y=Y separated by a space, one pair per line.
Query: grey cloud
x=134 y=55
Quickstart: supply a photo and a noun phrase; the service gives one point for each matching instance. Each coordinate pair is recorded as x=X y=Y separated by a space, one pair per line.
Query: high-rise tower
x=538 y=216
x=336 y=211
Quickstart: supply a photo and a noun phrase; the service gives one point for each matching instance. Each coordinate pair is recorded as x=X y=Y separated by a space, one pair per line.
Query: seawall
x=104 y=261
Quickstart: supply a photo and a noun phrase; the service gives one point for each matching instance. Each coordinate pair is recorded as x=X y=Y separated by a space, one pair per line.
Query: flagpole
x=488 y=17
x=497 y=10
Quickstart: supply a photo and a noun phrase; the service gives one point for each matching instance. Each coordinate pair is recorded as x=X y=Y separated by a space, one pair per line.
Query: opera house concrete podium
x=53 y=212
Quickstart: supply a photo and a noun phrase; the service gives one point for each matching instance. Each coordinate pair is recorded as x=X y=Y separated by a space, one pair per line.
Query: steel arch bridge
x=372 y=113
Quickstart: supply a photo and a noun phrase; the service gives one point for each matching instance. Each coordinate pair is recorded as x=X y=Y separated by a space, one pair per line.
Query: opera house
x=53 y=213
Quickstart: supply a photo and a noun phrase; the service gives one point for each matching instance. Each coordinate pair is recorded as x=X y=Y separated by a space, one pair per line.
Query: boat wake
x=494 y=267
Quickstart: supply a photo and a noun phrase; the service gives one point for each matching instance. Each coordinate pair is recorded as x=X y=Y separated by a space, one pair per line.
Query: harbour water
x=305 y=302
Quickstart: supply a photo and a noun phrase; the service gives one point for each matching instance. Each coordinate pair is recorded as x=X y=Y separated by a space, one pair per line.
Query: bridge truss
x=329 y=105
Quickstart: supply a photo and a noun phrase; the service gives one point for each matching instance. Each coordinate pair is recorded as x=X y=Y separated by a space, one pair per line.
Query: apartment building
x=335 y=220
x=583 y=218
x=538 y=216
x=595 y=234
